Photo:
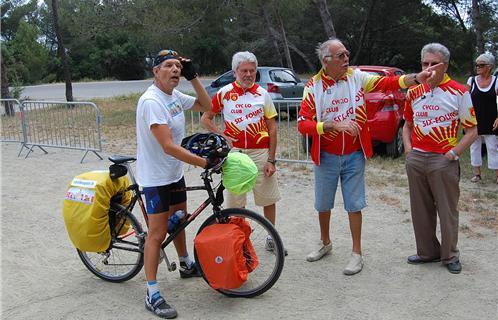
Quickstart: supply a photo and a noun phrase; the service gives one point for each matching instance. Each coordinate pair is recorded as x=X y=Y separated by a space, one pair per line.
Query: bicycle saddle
x=121 y=159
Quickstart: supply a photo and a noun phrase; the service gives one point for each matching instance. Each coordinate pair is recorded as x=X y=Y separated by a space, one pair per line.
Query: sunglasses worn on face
x=341 y=55
x=481 y=65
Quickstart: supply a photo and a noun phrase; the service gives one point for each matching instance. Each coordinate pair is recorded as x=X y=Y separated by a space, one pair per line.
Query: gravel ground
x=43 y=278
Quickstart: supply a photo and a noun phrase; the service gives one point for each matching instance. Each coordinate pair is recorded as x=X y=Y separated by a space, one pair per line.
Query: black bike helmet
x=206 y=144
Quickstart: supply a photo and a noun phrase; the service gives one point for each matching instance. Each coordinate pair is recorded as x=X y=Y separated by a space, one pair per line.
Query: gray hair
x=436 y=48
x=322 y=50
x=243 y=56
x=487 y=58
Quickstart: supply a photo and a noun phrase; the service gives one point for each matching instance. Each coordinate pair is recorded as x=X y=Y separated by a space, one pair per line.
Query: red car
x=385 y=112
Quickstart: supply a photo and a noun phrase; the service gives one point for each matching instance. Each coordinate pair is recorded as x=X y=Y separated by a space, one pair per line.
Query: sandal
x=476 y=178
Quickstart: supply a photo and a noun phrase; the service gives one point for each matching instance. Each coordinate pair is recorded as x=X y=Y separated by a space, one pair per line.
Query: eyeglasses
x=165 y=55
x=426 y=64
x=481 y=65
x=341 y=55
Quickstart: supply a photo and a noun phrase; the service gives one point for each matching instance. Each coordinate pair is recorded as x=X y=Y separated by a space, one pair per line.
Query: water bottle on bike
x=174 y=220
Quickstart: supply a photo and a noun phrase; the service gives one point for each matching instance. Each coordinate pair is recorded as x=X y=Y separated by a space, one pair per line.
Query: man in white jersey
x=249 y=116
x=160 y=130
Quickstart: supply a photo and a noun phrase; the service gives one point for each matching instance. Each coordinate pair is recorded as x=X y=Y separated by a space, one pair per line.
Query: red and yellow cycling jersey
x=437 y=114
x=244 y=114
x=325 y=99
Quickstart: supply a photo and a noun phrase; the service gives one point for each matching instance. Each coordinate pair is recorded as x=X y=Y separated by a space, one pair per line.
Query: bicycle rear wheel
x=124 y=257
x=271 y=261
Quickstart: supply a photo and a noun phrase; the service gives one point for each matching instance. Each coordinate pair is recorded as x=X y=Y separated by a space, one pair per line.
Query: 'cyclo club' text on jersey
x=325 y=99
x=437 y=114
x=244 y=114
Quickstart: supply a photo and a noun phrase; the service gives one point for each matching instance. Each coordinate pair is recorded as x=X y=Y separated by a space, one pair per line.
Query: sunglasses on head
x=165 y=55
x=481 y=65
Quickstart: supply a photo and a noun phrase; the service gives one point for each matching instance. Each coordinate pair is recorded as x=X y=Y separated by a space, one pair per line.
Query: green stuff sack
x=239 y=173
x=86 y=209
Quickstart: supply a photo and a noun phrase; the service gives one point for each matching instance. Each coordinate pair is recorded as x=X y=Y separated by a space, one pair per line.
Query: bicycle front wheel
x=124 y=257
x=268 y=248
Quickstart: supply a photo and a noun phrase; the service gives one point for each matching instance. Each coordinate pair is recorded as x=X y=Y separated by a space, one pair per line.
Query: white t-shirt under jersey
x=154 y=166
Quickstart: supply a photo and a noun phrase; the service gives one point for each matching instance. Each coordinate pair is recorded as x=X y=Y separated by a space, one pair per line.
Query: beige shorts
x=265 y=190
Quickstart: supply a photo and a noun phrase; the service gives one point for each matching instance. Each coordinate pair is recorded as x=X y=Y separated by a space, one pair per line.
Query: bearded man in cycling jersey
x=160 y=130
x=249 y=115
x=334 y=114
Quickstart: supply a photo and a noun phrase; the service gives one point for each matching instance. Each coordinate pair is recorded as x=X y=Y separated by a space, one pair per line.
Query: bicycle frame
x=124 y=258
x=213 y=199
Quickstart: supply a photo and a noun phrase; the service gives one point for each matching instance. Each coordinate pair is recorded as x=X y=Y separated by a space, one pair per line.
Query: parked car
x=281 y=83
x=384 y=113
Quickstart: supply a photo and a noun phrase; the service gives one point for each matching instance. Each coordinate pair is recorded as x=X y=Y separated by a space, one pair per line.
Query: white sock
x=153 y=289
x=187 y=260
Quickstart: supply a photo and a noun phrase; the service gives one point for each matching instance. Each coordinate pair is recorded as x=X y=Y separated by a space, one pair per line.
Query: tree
x=363 y=31
x=116 y=38
x=17 y=39
x=26 y=59
x=476 y=21
x=62 y=52
x=13 y=12
x=5 y=93
x=327 y=22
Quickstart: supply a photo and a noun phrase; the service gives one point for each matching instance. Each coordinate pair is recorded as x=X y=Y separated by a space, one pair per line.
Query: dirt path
x=42 y=277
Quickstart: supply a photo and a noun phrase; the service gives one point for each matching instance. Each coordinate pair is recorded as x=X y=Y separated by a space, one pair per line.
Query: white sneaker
x=355 y=264
x=318 y=254
x=270 y=245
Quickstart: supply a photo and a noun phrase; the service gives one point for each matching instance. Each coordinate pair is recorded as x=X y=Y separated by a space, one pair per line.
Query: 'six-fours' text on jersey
x=244 y=113
x=437 y=114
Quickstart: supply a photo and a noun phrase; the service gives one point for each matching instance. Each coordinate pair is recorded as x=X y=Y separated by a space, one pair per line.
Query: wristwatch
x=272 y=161
x=455 y=155
x=415 y=79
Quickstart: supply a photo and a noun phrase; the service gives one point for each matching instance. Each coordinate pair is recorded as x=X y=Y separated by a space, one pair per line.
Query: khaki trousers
x=434 y=191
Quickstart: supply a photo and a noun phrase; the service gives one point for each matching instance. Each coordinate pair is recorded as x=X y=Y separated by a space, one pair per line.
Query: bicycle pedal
x=172 y=266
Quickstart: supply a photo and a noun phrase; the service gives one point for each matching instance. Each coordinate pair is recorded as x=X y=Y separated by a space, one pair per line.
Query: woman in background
x=484 y=89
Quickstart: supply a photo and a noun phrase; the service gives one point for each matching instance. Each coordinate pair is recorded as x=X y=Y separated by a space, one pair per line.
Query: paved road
x=101 y=89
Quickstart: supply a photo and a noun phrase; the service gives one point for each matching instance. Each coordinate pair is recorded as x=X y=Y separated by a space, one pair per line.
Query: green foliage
x=13 y=12
x=114 y=39
x=26 y=58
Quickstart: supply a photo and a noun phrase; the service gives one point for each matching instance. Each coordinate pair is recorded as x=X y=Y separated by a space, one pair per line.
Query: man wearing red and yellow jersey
x=249 y=116
x=433 y=114
x=333 y=113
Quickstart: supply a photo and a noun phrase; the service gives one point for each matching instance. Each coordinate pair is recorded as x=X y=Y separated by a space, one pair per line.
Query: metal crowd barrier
x=55 y=124
x=292 y=147
x=11 y=128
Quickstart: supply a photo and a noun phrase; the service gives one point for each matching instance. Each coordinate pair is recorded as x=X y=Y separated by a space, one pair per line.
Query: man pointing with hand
x=433 y=114
x=334 y=114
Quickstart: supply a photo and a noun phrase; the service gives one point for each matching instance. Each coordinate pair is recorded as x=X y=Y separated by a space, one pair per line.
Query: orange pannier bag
x=249 y=252
x=226 y=254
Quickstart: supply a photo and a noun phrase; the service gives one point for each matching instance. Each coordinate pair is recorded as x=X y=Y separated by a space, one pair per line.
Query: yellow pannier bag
x=86 y=209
